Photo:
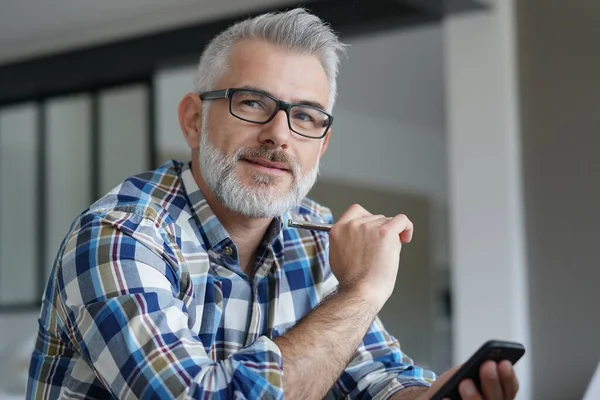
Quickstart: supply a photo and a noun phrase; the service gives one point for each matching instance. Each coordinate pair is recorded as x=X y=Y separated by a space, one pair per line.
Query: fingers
x=508 y=379
x=498 y=381
x=399 y=225
x=364 y=222
x=490 y=381
x=468 y=390
x=370 y=219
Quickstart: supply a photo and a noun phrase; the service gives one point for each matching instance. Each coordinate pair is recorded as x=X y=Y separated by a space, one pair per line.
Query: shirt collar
x=211 y=230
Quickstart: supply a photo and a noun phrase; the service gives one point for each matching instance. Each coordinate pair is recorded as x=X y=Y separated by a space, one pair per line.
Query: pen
x=313 y=226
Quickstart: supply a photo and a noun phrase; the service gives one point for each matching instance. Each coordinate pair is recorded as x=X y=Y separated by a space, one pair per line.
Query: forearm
x=316 y=351
x=180 y=369
x=411 y=393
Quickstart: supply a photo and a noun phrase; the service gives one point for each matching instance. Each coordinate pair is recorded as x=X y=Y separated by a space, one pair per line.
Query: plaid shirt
x=147 y=300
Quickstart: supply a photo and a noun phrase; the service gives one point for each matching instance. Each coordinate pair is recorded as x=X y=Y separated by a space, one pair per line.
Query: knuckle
x=364 y=227
x=383 y=231
x=356 y=207
x=405 y=220
x=354 y=224
x=402 y=217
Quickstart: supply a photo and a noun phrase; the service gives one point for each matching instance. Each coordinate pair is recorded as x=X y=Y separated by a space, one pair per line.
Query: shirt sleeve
x=124 y=302
x=379 y=368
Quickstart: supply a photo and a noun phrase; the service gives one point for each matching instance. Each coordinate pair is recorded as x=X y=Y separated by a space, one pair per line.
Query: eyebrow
x=302 y=102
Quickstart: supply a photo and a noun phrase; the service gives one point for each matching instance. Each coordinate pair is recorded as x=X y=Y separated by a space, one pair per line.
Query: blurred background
x=478 y=119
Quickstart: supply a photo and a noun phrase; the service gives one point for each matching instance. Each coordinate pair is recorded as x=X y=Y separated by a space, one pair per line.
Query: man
x=186 y=282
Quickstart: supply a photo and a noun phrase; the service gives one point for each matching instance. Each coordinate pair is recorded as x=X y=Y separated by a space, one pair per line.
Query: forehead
x=274 y=69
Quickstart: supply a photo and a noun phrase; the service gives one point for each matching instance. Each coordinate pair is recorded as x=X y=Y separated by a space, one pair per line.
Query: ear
x=325 y=143
x=190 y=116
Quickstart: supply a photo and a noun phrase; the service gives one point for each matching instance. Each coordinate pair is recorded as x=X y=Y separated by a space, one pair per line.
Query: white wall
x=381 y=152
x=487 y=230
x=560 y=97
x=529 y=143
x=389 y=127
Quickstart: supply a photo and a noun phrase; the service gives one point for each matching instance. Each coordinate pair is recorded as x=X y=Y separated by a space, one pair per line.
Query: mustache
x=271 y=155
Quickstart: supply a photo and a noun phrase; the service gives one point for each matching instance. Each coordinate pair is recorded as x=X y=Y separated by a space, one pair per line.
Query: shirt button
x=228 y=250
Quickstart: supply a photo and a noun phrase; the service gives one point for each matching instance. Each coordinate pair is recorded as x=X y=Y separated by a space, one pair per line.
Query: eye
x=304 y=117
x=252 y=104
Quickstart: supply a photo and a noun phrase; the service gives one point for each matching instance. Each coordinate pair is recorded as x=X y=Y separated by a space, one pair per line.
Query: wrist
x=364 y=294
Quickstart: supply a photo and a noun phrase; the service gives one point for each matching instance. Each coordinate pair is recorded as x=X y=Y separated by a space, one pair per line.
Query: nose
x=276 y=133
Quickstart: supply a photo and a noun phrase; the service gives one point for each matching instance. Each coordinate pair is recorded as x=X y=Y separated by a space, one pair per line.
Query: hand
x=498 y=382
x=364 y=252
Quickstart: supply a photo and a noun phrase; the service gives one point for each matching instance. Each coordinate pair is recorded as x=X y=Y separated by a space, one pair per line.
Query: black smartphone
x=493 y=350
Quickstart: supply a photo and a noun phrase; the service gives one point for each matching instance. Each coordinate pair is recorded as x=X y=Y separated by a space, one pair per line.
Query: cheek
x=308 y=158
x=223 y=141
x=231 y=136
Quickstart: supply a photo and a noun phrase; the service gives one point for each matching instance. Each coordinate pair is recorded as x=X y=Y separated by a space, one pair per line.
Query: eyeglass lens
x=256 y=107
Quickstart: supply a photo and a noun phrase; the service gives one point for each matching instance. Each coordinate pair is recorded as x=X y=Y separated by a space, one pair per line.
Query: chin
x=277 y=183
x=273 y=188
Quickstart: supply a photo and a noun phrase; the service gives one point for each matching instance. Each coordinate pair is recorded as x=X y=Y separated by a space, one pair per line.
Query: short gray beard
x=219 y=174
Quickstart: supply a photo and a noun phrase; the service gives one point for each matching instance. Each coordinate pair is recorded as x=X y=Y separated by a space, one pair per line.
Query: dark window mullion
x=95 y=155
x=151 y=126
x=1 y=216
x=42 y=185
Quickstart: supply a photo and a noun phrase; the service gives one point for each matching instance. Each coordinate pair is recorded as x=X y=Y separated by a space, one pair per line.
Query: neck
x=247 y=233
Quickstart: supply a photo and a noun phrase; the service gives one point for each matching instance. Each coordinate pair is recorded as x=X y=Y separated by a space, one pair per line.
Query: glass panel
x=171 y=84
x=68 y=166
x=18 y=208
x=124 y=144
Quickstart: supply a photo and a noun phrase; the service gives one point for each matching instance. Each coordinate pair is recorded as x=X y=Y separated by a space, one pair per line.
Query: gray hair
x=296 y=30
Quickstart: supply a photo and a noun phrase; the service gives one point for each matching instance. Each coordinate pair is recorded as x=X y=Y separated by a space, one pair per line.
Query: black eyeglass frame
x=281 y=105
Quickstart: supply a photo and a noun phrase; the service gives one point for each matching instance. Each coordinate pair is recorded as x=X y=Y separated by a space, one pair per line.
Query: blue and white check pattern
x=147 y=300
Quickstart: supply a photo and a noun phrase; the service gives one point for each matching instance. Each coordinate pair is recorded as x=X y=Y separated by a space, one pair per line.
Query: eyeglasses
x=260 y=108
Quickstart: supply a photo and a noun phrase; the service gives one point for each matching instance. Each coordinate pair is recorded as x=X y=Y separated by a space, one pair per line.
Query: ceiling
x=34 y=27
x=65 y=44
x=31 y=28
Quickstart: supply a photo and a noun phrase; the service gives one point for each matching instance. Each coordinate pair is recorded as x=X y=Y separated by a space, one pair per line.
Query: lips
x=267 y=164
